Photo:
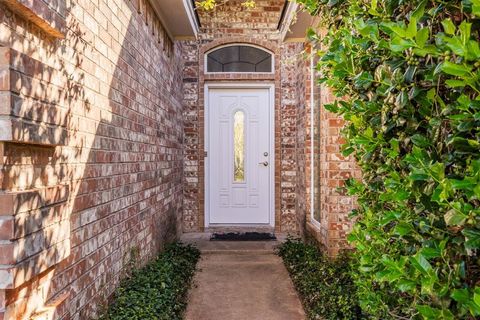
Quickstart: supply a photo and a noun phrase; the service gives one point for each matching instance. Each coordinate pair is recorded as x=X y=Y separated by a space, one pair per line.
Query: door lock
x=264 y=163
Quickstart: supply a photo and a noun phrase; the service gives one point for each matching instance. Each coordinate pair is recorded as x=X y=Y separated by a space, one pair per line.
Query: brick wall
x=335 y=205
x=293 y=106
x=232 y=23
x=192 y=133
x=91 y=150
x=329 y=224
x=301 y=88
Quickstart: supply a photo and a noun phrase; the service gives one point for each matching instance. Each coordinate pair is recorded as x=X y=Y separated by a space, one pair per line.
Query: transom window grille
x=239 y=58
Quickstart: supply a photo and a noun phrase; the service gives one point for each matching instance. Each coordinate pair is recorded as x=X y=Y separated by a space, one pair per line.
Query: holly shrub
x=408 y=74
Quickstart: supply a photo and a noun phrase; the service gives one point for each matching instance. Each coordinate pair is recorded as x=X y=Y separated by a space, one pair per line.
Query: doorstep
x=202 y=242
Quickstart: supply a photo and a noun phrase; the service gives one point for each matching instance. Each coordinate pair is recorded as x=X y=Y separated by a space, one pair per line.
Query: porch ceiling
x=299 y=25
x=178 y=17
x=282 y=15
x=182 y=20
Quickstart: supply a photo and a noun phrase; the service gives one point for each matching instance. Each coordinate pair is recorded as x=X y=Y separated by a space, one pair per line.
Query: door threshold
x=239 y=229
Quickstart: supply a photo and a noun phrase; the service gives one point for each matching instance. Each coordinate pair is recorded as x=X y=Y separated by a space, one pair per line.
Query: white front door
x=239 y=156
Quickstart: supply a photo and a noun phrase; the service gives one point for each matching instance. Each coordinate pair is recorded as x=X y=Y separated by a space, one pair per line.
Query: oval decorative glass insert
x=239 y=58
x=239 y=146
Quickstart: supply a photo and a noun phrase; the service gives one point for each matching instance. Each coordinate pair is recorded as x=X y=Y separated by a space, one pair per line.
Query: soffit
x=299 y=24
x=177 y=16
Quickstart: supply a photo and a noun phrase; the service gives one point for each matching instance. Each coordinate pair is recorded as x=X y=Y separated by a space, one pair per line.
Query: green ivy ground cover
x=409 y=70
x=325 y=286
x=159 y=290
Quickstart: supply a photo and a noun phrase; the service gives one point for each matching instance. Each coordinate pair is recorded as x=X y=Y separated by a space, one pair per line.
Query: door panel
x=239 y=156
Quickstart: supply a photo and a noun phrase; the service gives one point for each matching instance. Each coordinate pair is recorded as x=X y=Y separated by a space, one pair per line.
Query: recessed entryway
x=240 y=155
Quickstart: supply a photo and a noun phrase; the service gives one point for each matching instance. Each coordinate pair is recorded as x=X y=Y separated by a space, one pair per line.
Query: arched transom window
x=239 y=58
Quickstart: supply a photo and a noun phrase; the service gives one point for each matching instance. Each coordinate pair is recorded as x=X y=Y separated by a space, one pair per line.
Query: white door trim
x=241 y=85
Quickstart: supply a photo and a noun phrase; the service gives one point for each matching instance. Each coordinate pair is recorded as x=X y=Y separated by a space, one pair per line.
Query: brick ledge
x=40 y=14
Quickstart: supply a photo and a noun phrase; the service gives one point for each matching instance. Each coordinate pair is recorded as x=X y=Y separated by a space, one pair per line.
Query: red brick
x=6 y=228
x=7 y=204
x=7 y=254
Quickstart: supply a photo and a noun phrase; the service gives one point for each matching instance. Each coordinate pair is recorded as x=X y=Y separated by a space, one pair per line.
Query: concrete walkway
x=241 y=281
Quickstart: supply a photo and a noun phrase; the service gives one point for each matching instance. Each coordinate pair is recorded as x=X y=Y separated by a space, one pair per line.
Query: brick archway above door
x=273 y=47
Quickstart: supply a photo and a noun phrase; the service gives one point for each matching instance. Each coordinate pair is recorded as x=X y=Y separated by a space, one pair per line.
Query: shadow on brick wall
x=94 y=167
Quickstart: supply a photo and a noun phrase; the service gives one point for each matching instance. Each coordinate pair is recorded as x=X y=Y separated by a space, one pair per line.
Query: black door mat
x=244 y=236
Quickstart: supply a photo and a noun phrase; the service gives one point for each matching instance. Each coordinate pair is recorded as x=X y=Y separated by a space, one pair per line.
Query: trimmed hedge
x=159 y=290
x=410 y=74
x=325 y=285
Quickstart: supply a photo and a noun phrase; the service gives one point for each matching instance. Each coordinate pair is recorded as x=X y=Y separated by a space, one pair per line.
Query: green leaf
x=476 y=296
x=431 y=313
x=399 y=44
x=460 y=295
x=437 y=71
x=464 y=184
x=426 y=50
x=418 y=175
x=311 y=34
x=422 y=37
x=397 y=28
x=400 y=195
x=411 y=31
x=438 y=171
x=389 y=217
x=395 y=148
x=406 y=285
x=455 y=69
x=455 y=83
x=472 y=237
x=348 y=151
x=456 y=45
x=448 y=26
x=473 y=49
x=403 y=228
x=465 y=31
x=427 y=283
x=420 y=140
x=464 y=145
x=410 y=74
x=363 y=80
x=446 y=314
x=476 y=8
x=431 y=94
x=430 y=253
x=419 y=11
x=369 y=30
x=420 y=263
x=428 y=312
